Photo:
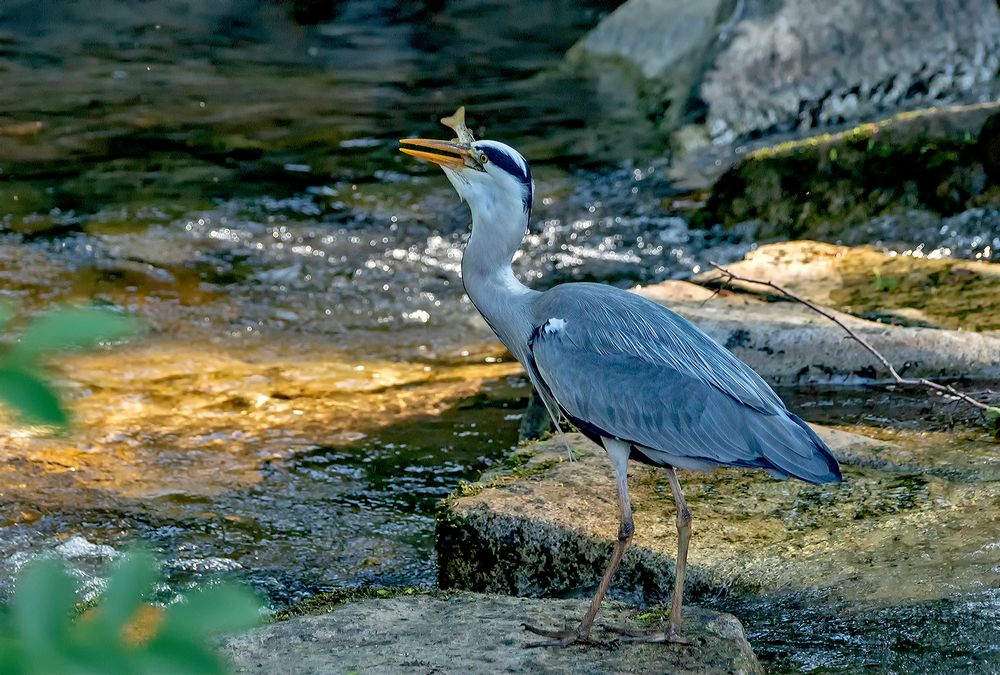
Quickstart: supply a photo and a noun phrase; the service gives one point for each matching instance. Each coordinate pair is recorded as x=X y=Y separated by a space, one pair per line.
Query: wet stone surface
x=467 y=632
x=299 y=472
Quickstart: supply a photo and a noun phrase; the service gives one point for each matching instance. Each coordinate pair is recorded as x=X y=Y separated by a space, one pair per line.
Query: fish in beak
x=456 y=154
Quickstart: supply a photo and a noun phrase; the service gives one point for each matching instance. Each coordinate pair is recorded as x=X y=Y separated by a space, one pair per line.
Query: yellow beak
x=446 y=153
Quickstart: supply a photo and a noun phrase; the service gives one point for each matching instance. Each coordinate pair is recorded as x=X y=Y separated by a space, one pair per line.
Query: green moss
x=949 y=293
x=654 y=615
x=325 y=602
x=812 y=188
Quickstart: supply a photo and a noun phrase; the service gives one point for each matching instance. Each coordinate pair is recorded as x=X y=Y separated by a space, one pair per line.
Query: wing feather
x=631 y=369
x=619 y=322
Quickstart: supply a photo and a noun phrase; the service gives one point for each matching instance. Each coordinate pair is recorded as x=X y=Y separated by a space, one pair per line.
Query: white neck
x=489 y=280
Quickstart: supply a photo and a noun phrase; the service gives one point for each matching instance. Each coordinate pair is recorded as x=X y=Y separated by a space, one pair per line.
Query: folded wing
x=622 y=366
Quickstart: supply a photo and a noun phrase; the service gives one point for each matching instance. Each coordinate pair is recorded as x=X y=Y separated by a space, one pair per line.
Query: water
x=311 y=379
x=916 y=588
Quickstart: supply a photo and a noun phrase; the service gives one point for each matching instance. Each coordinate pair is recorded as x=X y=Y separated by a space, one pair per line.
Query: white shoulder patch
x=553 y=326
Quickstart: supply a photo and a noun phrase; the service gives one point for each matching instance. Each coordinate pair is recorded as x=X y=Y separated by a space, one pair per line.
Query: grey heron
x=632 y=375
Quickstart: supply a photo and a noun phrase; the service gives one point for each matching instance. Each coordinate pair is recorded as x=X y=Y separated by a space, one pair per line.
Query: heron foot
x=672 y=635
x=562 y=638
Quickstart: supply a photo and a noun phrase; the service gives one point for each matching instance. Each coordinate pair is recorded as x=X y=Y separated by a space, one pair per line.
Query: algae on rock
x=883 y=532
x=933 y=160
x=864 y=281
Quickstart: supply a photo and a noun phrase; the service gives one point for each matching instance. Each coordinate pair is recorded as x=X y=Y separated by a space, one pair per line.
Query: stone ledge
x=466 y=632
x=546 y=527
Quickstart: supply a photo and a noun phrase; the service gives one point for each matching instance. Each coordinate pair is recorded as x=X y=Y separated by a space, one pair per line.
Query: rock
x=658 y=47
x=813 y=63
x=789 y=344
x=547 y=526
x=466 y=632
x=936 y=161
x=908 y=289
x=756 y=67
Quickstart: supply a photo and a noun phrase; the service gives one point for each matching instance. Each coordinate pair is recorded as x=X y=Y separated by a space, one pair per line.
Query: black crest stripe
x=513 y=167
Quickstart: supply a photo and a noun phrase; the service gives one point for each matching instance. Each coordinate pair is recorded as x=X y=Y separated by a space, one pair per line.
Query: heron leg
x=619 y=453
x=683 y=538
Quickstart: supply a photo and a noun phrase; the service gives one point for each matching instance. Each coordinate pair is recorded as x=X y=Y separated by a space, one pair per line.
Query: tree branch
x=992 y=412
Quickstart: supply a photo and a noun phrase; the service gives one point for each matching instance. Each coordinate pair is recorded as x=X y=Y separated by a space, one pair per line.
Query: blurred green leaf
x=131 y=581
x=43 y=609
x=217 y=609
x=31 y=398
x=40 y=632
x=165 y=656
x=72 y=327
x=10 y=643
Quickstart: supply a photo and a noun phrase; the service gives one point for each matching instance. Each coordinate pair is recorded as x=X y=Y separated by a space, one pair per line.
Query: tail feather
x=822 y=466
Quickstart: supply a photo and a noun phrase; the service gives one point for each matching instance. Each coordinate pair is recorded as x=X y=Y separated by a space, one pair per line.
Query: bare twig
x=899 y=379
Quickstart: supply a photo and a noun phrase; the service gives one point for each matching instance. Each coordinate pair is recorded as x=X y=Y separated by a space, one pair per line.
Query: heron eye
x=483 y=159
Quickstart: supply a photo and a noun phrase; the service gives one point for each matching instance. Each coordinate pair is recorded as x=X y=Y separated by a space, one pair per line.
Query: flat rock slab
x=546 y=527
x=471 y=633
x=789 y=344
x=865 y=281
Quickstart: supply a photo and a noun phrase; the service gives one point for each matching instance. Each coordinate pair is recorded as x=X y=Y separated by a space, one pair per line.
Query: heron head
x=492 y=177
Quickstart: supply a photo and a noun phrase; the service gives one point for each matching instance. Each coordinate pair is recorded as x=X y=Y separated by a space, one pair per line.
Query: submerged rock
x=465 y=632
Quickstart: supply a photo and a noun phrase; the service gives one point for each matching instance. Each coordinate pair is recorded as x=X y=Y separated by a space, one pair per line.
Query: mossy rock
x=866 y=282
x=551 y=531
x=938 y=160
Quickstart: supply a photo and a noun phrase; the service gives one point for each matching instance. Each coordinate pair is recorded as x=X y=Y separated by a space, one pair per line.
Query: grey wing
x=636 y=371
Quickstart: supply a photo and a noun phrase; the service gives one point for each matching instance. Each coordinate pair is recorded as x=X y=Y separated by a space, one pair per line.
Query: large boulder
x=649 y=53
x=545 y=525
x=751 y=67
x=814 y=62
x=916 y=177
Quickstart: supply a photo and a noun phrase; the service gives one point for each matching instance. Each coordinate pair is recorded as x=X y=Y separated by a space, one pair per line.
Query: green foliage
x=24 y=387
x=43 y=633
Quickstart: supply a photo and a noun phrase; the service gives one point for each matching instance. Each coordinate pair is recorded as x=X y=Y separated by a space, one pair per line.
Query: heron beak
x=446 y=153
